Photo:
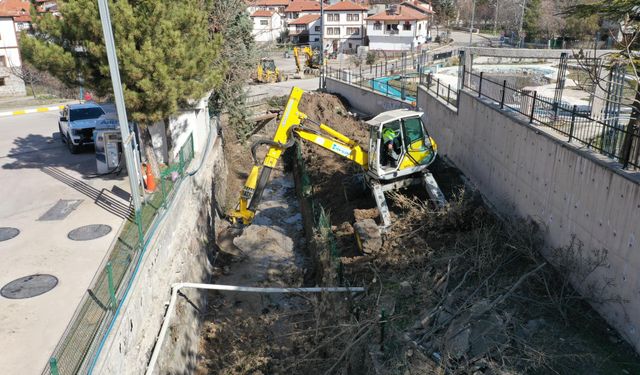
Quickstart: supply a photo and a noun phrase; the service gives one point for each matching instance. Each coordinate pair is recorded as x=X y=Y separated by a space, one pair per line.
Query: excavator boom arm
x=290 y=126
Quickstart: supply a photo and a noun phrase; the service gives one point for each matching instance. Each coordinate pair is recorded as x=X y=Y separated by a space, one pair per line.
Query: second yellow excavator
x=398 y=155
x=312 y=62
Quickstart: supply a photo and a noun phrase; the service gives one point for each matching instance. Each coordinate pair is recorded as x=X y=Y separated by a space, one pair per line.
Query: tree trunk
x=147 y=150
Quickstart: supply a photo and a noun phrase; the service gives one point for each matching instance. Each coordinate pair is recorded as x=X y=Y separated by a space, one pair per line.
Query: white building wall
x=397 y=41
x=343 y=39
x=10 y=85
x=269 y=32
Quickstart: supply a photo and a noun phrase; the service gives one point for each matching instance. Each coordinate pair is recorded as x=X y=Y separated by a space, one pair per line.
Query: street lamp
x=524 y=4
x=473 y=16
x=127 y=138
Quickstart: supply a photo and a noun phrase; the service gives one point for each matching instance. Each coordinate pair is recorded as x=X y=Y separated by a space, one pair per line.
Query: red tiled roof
x=272 y=2
x=422 y=7
x=304 y=20
x=262 y=13
x=15 y=8
x=302 y=6
x=404 y=14
x=345 y=5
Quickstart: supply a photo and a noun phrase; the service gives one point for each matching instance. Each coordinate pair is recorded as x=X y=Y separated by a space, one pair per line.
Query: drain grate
x=29 y=286
x=7 y=233
x=89 y=232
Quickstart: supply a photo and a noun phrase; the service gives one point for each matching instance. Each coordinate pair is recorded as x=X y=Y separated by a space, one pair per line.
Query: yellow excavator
x=398 y=155
x=267 y=71
x=312 y=62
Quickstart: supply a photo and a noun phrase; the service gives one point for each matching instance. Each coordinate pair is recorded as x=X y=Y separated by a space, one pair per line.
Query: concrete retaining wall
x=528 y=171
x=179 y=253
x=362 y=99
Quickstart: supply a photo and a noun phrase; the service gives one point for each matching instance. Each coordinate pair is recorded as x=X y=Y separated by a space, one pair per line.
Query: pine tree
x=238 y=58
x=165 y=49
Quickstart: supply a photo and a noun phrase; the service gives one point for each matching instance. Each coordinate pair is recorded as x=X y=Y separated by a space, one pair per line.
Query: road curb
x=31 y=110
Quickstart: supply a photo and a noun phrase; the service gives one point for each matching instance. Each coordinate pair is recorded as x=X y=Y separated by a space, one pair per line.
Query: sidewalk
x=13 y=106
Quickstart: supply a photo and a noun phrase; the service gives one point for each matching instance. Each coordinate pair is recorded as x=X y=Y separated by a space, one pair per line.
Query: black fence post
x=627 y=144
x=448 y=93
x=438 y=88
x=573 y=122
x=533 y=106
x=504 y=89
x=480 y=85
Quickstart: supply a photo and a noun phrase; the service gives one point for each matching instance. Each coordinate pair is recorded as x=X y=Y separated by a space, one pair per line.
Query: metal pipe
x=175 y=288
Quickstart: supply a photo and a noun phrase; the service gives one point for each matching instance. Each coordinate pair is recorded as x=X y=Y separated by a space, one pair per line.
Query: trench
x=454 y=291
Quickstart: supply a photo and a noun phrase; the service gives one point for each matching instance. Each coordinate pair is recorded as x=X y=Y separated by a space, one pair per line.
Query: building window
x=2 y=81
x=353 y=17
x=353 y=30
x=317 y=28
x=350 y=46
x=316 y=39
x=300 y=28
x=333 y=17
x=419 y=26
x=377 y=26
x=264 y=22
x=406 y=26
x=3 y=61
x=333 y=31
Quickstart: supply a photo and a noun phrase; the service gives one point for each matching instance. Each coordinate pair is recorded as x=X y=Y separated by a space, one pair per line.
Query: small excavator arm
x=296 y=57
x=291 y=126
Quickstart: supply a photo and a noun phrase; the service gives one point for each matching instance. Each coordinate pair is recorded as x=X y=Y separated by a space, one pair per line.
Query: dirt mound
x=330 y=110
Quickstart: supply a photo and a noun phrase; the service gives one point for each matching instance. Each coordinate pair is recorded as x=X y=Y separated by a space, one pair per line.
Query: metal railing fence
x=609 y=134
x=98 y=306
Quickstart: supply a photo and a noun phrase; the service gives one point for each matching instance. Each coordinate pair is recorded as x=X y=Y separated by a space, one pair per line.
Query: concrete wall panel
x=525 y=170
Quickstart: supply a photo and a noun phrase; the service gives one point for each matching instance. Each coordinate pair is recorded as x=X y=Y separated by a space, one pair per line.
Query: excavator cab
x=399 y=145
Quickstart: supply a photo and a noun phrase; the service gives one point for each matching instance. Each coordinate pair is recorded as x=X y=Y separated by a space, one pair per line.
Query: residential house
x=398 y=28
x=305 y=30
x=299 y=8
x=14 y=17
x=10 y=83
x=18 y=10
x=277 y=6
x=268 y=25
x=344 y=27
x=47 y=6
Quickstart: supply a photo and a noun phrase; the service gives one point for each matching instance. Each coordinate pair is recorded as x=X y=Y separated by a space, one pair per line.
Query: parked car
x=77 y=122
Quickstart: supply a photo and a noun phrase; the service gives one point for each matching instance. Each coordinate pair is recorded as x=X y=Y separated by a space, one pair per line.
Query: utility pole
x=524 y=3
x=473 y=16
x=495 y=20
x=322 y=67
x=127 y=137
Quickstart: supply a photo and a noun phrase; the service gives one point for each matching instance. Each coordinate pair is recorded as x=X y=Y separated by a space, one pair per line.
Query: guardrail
x=96 y=310
x=440 y=89
x=609 y=134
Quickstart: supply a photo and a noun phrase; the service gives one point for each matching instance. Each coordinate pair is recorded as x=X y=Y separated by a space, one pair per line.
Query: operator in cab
x=391 y=145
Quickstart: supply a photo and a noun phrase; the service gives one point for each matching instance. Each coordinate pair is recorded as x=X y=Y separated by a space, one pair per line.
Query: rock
x=368 y=235
x=456 y=341
x=405 y=289
x=362 y=214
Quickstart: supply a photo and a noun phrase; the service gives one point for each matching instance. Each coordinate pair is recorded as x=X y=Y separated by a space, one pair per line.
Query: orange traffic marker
x=149 y=180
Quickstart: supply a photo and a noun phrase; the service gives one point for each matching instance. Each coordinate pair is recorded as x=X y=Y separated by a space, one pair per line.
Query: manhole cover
x=7 y=233
x=29 y=286
x=89 y=232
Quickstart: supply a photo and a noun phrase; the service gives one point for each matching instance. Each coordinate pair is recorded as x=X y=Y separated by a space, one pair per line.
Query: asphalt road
x=36 y=173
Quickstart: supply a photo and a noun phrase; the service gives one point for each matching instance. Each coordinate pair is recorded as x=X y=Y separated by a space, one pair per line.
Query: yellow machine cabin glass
x=419 y=150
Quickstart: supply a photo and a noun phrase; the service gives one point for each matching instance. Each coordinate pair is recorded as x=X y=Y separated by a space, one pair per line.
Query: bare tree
x=28 y=74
